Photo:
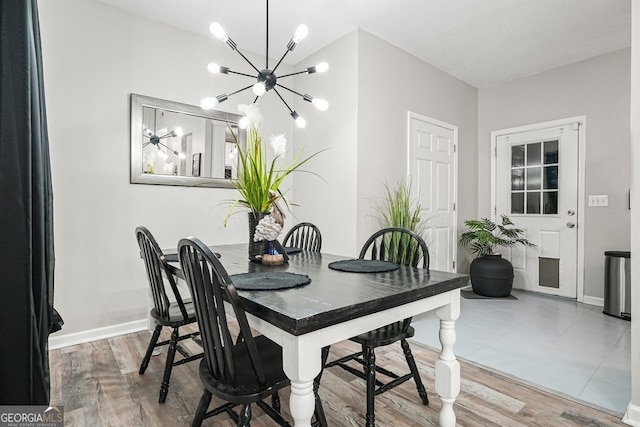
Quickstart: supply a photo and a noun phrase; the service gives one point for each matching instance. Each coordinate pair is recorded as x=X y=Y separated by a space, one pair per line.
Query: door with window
x=536 y=185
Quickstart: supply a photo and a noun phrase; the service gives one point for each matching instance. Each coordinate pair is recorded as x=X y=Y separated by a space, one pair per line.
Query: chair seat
x=385 y=335
x=175 y=315
x=247 y=390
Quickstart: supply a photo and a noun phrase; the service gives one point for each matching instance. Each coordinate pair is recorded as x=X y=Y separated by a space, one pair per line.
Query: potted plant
x=491 y=275
x=259 y=178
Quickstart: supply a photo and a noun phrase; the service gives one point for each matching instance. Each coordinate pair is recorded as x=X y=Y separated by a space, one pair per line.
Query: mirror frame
x=137 y=174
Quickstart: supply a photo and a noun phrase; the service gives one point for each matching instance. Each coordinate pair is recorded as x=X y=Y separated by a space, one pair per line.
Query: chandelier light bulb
x=213 y=68
x=208 y=103
x=182 y=155
x=178 y=131
x=259 y=89
x=320 y=104
x=301 y=32
x=301 y=122
x=322 y=67
x=243 y=123
x=218 y=32
x=161 y=153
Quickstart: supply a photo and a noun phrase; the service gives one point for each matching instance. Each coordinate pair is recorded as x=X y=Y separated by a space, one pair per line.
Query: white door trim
x=582 y=120
x=412 y=115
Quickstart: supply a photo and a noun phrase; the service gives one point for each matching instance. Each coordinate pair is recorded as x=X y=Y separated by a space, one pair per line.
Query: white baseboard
x=632 y=416
x=593 y=300
x=97 y=334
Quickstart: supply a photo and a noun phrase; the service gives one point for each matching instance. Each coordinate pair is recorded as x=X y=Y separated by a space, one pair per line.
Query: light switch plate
x=599 y=200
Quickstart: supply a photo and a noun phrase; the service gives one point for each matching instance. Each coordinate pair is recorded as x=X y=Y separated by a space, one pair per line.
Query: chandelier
x=155 y=140
x=266 y=78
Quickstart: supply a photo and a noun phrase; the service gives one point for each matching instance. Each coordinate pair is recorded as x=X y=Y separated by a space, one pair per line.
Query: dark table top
x=332 y=296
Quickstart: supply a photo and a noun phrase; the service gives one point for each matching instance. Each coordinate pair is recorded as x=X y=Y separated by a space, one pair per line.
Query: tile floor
x=555 y=342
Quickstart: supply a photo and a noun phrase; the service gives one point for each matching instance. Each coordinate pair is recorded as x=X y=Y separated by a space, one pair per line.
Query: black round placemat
x=363 y=266
x=268 y=281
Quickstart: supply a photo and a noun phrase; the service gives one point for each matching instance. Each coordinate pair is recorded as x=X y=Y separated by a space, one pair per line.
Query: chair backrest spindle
x=156 y=264
x=305 y=236
x=397 y=245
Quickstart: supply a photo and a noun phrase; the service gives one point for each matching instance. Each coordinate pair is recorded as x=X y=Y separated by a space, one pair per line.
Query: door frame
x=454 y=190
x=581 y=122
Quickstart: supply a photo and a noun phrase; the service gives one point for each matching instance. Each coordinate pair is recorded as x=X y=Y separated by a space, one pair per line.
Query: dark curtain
x=26 y=210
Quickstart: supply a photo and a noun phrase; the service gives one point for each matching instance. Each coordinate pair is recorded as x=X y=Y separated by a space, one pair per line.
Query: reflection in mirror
x=180 y=144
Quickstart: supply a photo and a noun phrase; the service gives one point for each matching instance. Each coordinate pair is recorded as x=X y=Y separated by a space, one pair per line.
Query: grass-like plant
x=399 y=210
x=258 y=179
x=485 y=235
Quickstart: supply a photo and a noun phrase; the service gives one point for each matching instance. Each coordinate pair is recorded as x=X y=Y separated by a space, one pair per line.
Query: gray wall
x=599 y=89
x=328 y=198
x=94 y=56
x=391 y=83
x=372 y=85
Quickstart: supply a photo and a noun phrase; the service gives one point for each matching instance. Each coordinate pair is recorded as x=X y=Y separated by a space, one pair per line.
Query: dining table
x=337 y=305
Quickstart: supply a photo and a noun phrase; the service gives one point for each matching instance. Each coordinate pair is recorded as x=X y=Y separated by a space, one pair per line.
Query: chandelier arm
x=246 y=59
x=146 y=143
x=240 y=90
x=169 y=148
x=255 y=99
x=293 y=74
x=278 y=64
x=290 y=90
x=267 y=40
x=241 y=74
x=282 y=99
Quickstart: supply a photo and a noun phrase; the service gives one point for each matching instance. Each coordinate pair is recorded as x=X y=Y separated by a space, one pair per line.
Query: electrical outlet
x=599 y=200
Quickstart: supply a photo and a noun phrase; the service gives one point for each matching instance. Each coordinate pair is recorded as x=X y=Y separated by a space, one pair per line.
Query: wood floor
x=99 y=385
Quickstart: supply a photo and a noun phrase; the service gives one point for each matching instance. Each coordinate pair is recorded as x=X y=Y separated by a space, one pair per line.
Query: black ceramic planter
x=491 y=276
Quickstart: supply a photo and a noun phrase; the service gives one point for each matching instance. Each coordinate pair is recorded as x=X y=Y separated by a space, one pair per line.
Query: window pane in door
x=517 y=155
x=517 y=179
x=550 y=178
x=533 y=154
x=517 y=203
x=550 y=203
x=534 y=179
x=550 y=152
x=533 y=203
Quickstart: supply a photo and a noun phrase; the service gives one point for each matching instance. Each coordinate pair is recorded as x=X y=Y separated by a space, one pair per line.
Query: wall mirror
x=180 y=144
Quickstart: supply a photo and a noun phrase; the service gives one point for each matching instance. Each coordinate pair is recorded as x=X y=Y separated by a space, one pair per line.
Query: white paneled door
x=536 y=185
x=432 y=170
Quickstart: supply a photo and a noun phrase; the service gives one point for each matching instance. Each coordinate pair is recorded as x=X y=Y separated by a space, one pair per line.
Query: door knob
x=571 y=224
x=571 y=212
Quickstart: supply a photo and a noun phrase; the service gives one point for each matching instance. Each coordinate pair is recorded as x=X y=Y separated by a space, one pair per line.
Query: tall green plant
x=398 y=209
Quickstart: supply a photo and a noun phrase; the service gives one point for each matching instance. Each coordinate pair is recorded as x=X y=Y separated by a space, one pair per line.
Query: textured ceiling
x=482 y=42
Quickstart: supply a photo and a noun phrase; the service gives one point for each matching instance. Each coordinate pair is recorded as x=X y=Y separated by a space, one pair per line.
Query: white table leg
x=447 y=367
x=301 y=363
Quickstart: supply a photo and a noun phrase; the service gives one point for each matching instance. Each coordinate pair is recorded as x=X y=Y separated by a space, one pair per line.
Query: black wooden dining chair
x=172 y=314
x=400 y=246
x=305 y=236
x=242 y=372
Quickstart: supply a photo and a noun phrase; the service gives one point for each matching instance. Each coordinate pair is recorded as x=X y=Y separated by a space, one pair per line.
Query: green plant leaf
x=485 y=235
